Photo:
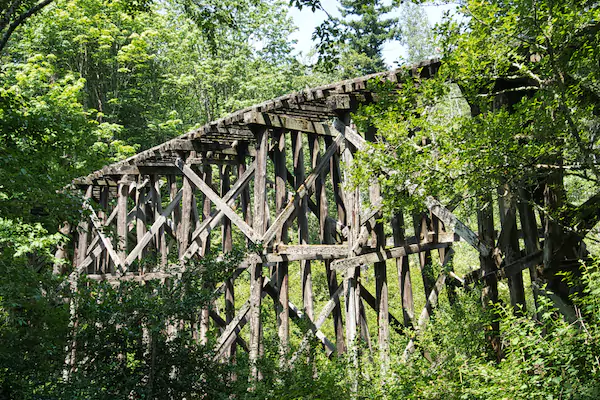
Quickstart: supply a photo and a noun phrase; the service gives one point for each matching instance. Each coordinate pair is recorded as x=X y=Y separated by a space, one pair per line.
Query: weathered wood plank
x=457 y=226
x=510 y=246
x=256 y=277
x=328 y=308
x=429 y=305
x=386 y=254
x=281 y=236
x=288 y=122
x=302 y=220
x=404 y=281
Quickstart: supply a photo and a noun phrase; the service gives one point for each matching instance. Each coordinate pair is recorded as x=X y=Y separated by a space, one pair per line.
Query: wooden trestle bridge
x=314 y=127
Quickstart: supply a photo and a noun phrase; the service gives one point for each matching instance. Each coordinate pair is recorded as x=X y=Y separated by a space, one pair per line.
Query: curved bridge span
x=262 y=175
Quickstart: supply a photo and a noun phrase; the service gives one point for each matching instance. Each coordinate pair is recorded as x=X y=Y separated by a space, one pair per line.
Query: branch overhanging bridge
x=247 y=175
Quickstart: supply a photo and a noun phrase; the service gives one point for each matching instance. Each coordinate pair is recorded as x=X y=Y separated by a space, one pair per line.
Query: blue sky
x=306 y=21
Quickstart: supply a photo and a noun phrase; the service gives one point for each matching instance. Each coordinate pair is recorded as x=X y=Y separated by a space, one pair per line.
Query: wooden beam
x=299 y=316
x=372 y=302
x=302 y=220
x=288 y=122
x=457 y=226
x=105 y=241
x=385 y=254
x=333 y=301
x=256 y=275
x=432 y=300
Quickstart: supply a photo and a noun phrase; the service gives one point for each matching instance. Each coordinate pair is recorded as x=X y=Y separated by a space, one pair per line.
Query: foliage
x=45 y=137
x=33 y=316
x=532 y=98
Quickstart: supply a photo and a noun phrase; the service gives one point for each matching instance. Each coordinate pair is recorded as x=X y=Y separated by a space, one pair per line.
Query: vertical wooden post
x=336 y=181
x=140 y=218
x=408 y=307
x=439 y=228
x=227 y=244
x=83 y=231
x=510 y=246
x=242 y=151
x=187 y=201
x=530 y=234
x=103 y=259
x=305 y=267
x=332 y=283
x=206 y=204
x=173 y=189
x=256 y=277
x=421 y=224
x=159 y=239
x=283 y=316
x=351 y=277
x=485 y=223
x=381 y=284
x=122 y=196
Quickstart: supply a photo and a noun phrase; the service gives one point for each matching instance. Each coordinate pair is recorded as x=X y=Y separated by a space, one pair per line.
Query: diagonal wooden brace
x=218 y=201
x=105 y=241
x=160 y=221
x=327 y=309
x=457 y=226
x=211 y=222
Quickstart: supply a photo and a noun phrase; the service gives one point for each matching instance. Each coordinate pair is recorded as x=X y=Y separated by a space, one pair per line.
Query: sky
x=306 y=21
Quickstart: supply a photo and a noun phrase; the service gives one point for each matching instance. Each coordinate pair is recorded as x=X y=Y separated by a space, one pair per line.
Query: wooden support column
x=103 y=258
x=336 y=181
x=140 y=218
x=408 y=306
x=283 y=315
x=439 y=229
x=510 y=246
x=352 y=198
x=305 y=267
x=206 y=204
x=421 y=223
x=227 y=243
x=380 y=268
x=159 y=239
x=530 y=235
x=485 y=223
x=242 y=150
x=122 y=196
x=187 y=203
x=173 y=189
x=256 y=276
x=326 y=237
x=83 y=232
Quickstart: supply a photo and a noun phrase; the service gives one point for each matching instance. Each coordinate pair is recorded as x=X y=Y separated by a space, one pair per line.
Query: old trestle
x=236 y=174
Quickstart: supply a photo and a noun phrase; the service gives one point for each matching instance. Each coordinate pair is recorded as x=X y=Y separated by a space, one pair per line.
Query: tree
x=526 y=71
x=417 y=32
x=354 y=43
